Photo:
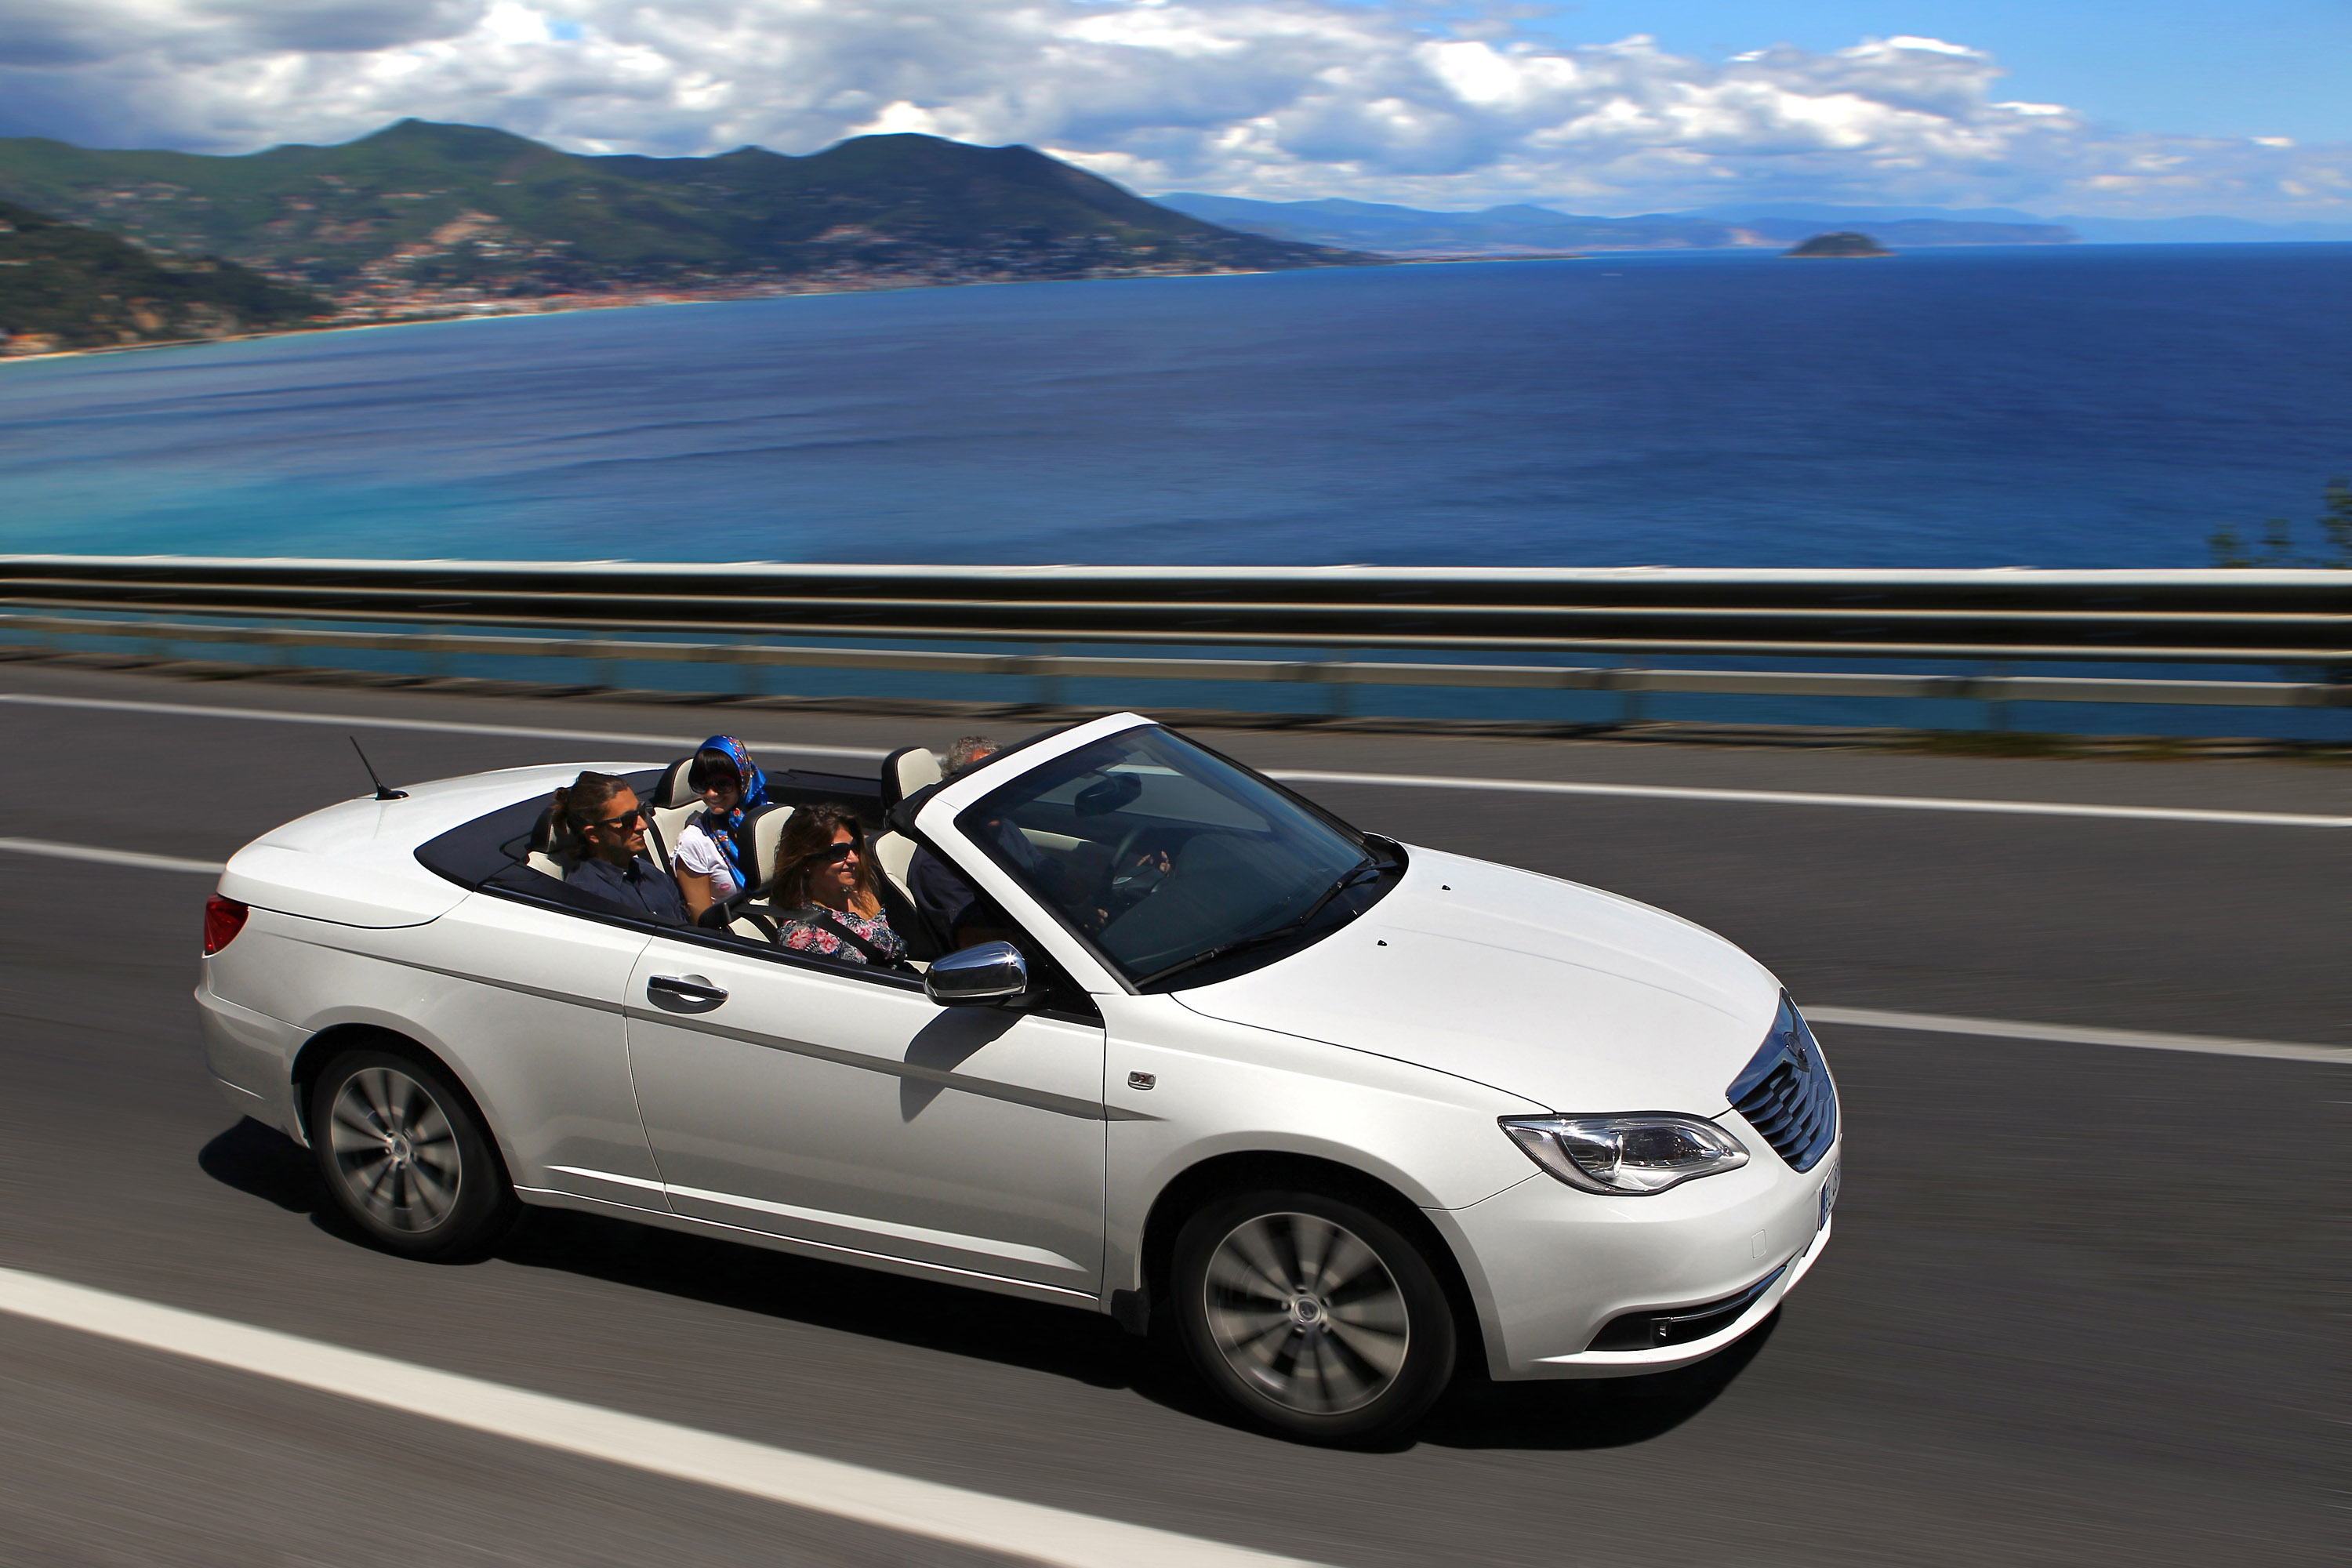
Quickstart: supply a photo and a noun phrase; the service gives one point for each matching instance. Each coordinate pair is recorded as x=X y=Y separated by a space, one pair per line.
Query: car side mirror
x=980 y=976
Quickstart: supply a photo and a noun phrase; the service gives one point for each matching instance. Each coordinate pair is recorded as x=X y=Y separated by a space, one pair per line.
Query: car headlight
x=1629 y=1156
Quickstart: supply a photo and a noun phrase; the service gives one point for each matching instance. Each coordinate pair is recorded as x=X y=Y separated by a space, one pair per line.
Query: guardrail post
x=1338 y=691
x=1049 y=677
x=748 y=675
x=1997 y=704
x=1629 y=703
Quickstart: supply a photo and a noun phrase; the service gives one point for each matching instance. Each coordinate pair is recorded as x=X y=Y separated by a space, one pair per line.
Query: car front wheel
x=1314 y=1316
x=406 y=1155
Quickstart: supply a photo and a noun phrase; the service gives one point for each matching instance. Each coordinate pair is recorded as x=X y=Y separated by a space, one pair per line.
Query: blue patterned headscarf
x=755 y=795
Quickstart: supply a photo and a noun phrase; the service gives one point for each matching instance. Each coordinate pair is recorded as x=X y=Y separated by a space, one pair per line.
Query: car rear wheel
x=406 y=1157
x=1314 y=1316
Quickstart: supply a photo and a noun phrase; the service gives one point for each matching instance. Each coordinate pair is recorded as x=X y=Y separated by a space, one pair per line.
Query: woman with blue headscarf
x=709 y=859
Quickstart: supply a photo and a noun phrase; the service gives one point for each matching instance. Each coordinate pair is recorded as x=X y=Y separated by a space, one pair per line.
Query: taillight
x=223 y=918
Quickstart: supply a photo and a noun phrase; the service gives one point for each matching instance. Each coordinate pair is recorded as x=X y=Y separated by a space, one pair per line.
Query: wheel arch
x=1242 y=1170
x=321 y=1048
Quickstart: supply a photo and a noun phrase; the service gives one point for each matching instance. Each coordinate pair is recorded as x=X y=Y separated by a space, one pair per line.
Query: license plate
x=1829 y=1195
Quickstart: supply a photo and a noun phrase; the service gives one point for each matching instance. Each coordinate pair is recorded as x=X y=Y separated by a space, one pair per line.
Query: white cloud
x=1268 y=97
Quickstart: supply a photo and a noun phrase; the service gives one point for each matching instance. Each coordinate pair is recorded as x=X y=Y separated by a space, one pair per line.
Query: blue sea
x=2047 y=407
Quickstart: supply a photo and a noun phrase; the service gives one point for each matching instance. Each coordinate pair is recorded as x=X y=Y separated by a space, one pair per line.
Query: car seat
x=671 y=802
x=905 y=772
x=542 y=854
x=672 y=789
x=754 y=908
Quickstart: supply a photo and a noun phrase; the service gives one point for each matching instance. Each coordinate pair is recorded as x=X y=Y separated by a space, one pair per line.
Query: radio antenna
x=382 y=790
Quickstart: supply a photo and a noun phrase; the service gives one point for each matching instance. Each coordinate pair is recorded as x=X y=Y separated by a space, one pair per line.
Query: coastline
x=570 y=304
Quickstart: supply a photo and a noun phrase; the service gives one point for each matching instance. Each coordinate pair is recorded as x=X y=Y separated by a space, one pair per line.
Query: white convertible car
x=1340 y=1111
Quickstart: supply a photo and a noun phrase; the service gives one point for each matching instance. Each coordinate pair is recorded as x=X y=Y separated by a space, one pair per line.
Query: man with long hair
x=599 y=815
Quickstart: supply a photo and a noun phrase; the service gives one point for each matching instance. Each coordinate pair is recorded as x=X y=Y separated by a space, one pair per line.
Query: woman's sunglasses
x=835 y=854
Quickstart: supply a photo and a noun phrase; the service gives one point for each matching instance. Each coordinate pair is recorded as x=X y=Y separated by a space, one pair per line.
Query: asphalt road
x=2079 y=1308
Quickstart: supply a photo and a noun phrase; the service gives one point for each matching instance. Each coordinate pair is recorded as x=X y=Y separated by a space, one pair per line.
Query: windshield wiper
x=1353 y=878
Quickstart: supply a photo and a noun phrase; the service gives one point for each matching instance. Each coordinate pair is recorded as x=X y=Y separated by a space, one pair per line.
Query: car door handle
x=684 y=992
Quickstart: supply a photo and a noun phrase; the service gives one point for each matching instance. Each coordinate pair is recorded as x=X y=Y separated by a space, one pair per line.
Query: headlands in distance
x=421 y=220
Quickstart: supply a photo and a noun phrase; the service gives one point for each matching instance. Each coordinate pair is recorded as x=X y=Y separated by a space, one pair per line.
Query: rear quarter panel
x=521 y=1003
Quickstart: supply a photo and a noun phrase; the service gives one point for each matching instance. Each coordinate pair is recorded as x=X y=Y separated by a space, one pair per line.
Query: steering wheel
x=1122 y=871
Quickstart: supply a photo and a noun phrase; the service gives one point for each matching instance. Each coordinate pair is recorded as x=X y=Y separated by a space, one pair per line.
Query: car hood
x=1573 y=998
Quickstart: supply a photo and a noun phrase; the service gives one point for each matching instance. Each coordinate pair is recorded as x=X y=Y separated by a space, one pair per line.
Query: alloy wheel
x=394 y=1149
x=1305 y=1312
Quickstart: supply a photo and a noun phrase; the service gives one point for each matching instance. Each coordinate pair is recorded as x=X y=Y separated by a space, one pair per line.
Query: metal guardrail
x=2291 y=618
x=2165 y=617
x=1324 y=672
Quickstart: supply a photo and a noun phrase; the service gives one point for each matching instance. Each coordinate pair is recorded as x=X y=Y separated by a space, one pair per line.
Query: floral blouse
x=816 y=928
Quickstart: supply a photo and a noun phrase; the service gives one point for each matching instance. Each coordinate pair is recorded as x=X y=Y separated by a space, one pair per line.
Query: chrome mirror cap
x=978 y=976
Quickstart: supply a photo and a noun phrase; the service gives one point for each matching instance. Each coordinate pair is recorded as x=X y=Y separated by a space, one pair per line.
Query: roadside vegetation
x=63 y=287
x=2281 y=544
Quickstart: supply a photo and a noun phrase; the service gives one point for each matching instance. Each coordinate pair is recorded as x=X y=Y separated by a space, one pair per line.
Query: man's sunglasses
x=835 y=854
x=626 y=819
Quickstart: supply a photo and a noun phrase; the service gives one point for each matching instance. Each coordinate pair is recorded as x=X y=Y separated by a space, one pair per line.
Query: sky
x=2144 y=108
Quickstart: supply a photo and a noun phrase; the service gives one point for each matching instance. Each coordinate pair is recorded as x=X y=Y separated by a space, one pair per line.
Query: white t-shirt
x=699 y=853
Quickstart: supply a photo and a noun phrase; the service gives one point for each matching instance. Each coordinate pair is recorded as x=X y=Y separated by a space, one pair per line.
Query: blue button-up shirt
x=639 y=885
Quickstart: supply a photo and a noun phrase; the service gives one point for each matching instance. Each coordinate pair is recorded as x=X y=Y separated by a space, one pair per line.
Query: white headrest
x=663 y=830
x=894 y=852
x=906 y=770
x=671 y=789
x=763 y=830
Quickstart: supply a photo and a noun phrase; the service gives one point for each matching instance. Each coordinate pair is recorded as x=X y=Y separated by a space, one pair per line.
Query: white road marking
x=1791 y=797
x=56 y=851
x=1288 y=775
x=1865 y=1017
x=365 y=721
x=902 y=1504
x=2069 y=1035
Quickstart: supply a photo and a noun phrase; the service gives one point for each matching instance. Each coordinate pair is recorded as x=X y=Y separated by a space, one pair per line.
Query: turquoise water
x=2078 y=406
x=2041 y=406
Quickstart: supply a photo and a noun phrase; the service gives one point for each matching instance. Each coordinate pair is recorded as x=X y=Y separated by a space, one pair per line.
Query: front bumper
x=1551 y=1267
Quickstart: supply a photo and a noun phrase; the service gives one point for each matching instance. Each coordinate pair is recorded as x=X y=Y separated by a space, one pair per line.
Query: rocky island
x=1842 y=244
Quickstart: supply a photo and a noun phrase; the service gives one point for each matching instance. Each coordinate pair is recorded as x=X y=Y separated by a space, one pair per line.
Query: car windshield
x=1167 y=857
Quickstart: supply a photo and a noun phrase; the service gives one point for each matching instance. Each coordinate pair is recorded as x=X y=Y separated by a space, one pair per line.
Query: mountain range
x=429 y=212
x=1521 y=229
x=422 y=218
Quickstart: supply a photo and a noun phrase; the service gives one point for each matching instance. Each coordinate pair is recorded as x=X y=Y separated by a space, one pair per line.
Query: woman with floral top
x=826 y=885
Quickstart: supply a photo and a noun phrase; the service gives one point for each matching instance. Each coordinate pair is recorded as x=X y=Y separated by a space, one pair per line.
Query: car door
x=527 y=998
x=843 y=1107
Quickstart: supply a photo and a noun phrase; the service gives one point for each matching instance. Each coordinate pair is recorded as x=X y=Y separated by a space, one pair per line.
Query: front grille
x=1786 y=1094
x=1678 y=1325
